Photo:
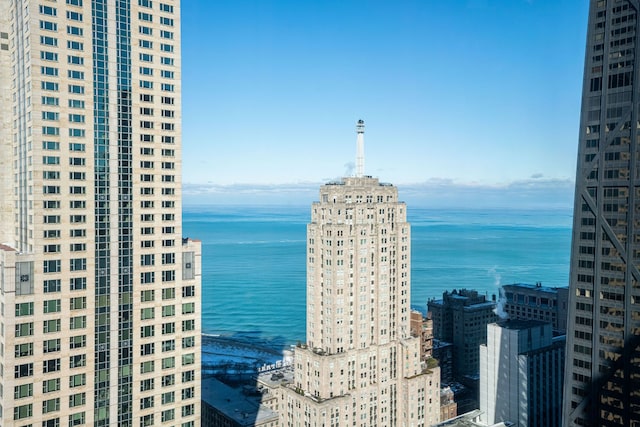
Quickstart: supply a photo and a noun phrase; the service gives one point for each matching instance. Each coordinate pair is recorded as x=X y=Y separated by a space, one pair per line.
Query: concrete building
x=461 y=318
x=521 y=374
x=448 y=405
x=100 y=293
x=360 y=365
x=538 y=302
x=422 y=327
x=603 y=344
x=223 y=406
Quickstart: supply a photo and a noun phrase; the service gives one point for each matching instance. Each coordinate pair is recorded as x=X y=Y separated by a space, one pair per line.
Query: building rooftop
x=519 y=324
x=470 y=420
x=538 y=286
x=234 y=404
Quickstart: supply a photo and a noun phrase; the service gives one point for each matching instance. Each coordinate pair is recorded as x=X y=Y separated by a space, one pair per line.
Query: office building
x=360 y=365
x=603 y=335
x=100 y=293
x=422 y=327
x=461 y=318
x=537 y=302
x=521 y=374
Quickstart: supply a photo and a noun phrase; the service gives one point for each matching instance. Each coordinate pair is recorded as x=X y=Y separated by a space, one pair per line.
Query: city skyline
x=289 y=80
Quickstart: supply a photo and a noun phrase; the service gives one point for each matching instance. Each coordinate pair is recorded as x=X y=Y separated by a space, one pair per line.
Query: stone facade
x=101 y=293
x=360 y=364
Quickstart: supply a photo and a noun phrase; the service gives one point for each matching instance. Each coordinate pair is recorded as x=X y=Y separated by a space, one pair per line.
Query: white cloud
x=435 y=192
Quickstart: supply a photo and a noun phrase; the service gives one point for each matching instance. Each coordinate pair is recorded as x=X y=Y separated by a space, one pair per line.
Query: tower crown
x=360 y=149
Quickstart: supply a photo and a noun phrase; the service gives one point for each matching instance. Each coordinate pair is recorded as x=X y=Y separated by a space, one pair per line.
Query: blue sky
x=459 y=97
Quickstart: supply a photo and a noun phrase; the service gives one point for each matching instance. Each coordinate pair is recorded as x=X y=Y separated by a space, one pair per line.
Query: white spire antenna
x=360 y=149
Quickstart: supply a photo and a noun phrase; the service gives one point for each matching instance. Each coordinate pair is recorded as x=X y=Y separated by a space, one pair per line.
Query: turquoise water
x=253 y=272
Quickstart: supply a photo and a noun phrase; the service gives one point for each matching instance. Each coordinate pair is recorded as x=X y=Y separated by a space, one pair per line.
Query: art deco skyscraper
x=99 y=291
x=602 y=381
x=360 y=366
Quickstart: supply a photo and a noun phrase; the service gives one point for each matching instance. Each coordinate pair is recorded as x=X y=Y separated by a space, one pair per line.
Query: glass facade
x=602 y=384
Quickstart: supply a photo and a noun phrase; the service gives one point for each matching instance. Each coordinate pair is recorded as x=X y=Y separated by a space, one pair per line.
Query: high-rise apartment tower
x=99 y=291
x=602 y=373
x=360 y=365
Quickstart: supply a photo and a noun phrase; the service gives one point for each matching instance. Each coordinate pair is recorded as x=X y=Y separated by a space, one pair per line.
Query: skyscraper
x=521 y=372
x=99 y=291
x=602 y=373
x=360 y=365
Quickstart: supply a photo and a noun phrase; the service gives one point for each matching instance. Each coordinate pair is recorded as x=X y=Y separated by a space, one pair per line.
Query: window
x=168 y=328
x=188 y=308
x=48 y=10
x=79 y=341
x=168 y=397
x=50 y=145
x=51 y=346
x=168 y=380
x=49 y=326
x=52 y=365
x=78 y=264
x=74 y=16
x=24 y=309
x=78 y=283
x=166 y=21
x=168 y=362
x=75 y=60
x=147 y=313
x=76 y=103
x=77 y=380
x=77 y=361
x=78 y=303
x=52 y=86
x=52 y=306
x=78 y=89
x=188 y=359
x=78 y=322
x=76 y=419
x=147 y=349
x=168 y=415
x=168 y=311
x=146 y=385
x=23 y=411
x=22 y=391
x=48 y=25
x=24 y=370
x=168 y=345
x=166 y=8
x=147 y=331
x=188 y=342
x=168 y=293
x=74 y=31
x=52 y=285
x=48 y=56
x=188 y=376
x=146 y=367
x=147 y=295
x=48 y=41
x=51 y=405
x=188 y=325
x=78 y=399
x=24 y=350
x=24 y=329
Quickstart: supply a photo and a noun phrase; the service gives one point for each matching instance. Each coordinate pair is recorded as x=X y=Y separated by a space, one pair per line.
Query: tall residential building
x=360 y=365
x=537 y=302
x=99 y=294
x=461 y=318
x=603 y=335
x=521 y=372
